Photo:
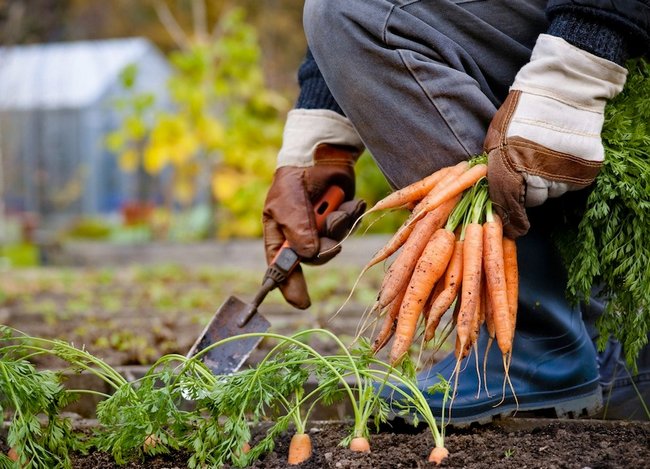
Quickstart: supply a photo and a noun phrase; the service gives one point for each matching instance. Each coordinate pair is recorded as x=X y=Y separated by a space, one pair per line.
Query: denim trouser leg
x=421 y=80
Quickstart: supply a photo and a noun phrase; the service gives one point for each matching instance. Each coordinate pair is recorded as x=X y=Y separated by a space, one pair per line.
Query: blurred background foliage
x=233 y=80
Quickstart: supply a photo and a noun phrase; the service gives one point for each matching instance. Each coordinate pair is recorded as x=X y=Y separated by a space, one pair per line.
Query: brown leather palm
x=507 y=185
x=509 y=158
x=289 y=213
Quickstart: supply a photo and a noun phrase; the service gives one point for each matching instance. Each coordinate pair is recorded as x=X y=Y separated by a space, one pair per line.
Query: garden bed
x=131 y=316
x=511 y=443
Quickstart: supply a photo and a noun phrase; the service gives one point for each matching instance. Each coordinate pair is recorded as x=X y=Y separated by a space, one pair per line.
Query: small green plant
x=145 y=417
x=131 y=414
x=142 y=418
x=411 y=401
x=509 y=453
x=26 y=395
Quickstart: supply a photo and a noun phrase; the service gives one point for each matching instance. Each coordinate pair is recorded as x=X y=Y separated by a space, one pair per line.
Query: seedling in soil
x=144 y=416
x=26 y=394
x=134 y=412
x=411 y=401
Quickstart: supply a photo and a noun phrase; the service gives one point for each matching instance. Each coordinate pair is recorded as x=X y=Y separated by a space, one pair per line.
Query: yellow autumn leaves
x=216 y=140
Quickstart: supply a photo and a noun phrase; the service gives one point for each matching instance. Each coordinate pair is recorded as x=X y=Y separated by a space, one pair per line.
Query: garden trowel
x=236 y=317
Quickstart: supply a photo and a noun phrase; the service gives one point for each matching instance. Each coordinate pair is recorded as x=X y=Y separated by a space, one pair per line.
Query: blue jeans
x=421 y=80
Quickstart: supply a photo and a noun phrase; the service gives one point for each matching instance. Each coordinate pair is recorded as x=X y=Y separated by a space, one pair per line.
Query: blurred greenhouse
x=57 y=104
x=171 y=137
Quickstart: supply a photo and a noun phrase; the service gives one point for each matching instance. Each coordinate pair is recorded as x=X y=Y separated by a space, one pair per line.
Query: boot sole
x=576 y=406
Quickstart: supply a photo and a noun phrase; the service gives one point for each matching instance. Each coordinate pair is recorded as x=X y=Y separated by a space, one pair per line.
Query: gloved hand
x=319 y=149
x=545 y=138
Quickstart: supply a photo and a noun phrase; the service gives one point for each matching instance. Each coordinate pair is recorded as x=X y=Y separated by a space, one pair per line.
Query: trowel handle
x=328 y=202
x=287 y=259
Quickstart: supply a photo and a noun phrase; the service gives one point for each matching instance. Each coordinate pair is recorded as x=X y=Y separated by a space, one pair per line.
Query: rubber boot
x=626 y=396
x=553 y=369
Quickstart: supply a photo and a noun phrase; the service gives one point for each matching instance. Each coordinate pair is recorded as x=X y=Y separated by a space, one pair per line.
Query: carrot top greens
x=610 y=248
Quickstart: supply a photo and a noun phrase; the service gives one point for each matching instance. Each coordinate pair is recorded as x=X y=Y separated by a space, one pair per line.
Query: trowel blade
x=229 y=357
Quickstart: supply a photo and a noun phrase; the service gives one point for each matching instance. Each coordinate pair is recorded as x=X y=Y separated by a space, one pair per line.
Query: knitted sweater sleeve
x=314 y=93
x=614 y=29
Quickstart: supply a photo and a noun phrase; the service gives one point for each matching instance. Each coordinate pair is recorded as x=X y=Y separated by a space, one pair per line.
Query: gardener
x=425 y=84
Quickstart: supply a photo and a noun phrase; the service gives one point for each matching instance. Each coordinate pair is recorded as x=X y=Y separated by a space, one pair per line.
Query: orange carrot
x=479 y=315
x=451 y=173
x=401 y=236
x=150 y=442
x=12 y=454
x=475 y=325
x=412 y=234
x=472 y=259
x=454 y=188
x=411 y=193
x=512 y=277
x=400 y=271
x=299 y=448
x=390 y=321
x=489 y=320
x=443 y=301
x=437 y=289
x=454 y=315
x=430 y=267
x=360 y=444
x=489 y=325
x=496 y=281
x=404 y=232
x=438 y=454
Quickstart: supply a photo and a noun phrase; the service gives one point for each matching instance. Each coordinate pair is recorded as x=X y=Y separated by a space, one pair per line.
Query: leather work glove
x=545 y=139
x=319 y=149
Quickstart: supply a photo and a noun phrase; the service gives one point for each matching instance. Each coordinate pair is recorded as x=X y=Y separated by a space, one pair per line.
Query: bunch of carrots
x=452 y=252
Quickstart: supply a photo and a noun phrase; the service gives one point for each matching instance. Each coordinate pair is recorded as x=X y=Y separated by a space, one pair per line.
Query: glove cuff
x=571 y=75
x=306 y=129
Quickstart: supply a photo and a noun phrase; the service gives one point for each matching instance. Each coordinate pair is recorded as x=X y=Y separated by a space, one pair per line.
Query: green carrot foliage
x=610 y=248
x=34 y=400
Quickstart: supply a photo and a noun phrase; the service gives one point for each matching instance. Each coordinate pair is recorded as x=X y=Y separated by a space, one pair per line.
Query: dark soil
x=513 y=443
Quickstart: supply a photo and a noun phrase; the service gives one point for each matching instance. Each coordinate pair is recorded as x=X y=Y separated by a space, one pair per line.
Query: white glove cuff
x=566 y=73
x=305 y=129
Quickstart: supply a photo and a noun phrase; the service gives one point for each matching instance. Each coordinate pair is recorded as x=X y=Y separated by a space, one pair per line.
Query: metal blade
x=229 y=357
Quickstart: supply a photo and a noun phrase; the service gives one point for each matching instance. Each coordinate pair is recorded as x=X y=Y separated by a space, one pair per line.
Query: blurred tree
x=225 y=126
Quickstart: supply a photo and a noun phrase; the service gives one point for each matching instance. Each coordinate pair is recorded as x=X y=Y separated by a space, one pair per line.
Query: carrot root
x=13 y=454
x=511 y=271
x=429 y=269
x=455 y=187
x=438 y=454
x=402 y=267
x=411 y=193
x=360 y=444
x=495 y=279
x=390 y=323
x=470 y=296
x=299 y=448
x=150 y=442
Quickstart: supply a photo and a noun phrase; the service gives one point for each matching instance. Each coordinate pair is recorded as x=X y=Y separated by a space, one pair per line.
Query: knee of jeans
x=323 y=22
